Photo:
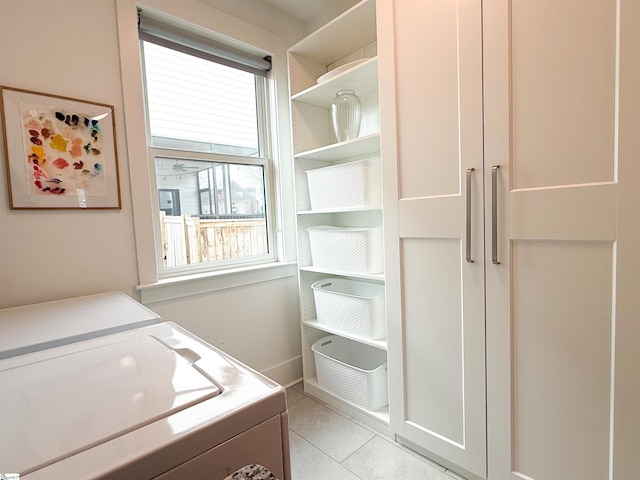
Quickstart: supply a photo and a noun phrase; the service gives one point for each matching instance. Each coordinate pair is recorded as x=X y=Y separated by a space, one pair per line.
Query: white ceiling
x=291 y=19
x=308 y=11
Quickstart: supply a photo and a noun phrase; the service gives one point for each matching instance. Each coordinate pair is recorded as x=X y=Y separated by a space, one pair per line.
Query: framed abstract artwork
x=60 y=152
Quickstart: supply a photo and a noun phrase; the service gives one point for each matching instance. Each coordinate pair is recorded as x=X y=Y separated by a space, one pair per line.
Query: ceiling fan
x=181 y=167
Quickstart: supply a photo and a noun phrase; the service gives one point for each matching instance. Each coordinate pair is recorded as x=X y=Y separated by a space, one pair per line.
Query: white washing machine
x=99 y=387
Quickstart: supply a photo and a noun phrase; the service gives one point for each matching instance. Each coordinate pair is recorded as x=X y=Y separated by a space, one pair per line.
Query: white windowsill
x=174 y=288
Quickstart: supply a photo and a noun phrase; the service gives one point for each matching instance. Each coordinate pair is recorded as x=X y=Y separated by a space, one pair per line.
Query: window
x=207 y=129
x=231 y=191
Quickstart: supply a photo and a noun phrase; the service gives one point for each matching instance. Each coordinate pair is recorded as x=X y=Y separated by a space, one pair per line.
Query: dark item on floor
x=252 y=472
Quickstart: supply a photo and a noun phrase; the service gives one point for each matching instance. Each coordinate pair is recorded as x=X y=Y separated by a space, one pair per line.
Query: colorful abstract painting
x=63 y=151
x=60 y=152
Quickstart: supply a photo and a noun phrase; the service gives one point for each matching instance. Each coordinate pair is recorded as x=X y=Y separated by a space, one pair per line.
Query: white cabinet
x=431 y=111
x=351 y=37
x=509 y=158
x=559 y=119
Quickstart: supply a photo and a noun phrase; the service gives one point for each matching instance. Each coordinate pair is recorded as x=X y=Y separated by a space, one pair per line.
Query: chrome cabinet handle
x=494 y=214
x=468 y=219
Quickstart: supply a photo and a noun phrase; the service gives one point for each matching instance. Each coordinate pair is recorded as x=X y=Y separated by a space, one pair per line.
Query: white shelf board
x=381 y=343
x=344 y=34
x=371 y=276
x=378 y=419
x=338 y=151
x=340 y=210
x=362 y=78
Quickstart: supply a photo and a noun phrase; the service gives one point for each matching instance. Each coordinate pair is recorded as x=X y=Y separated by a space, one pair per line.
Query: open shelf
x=350 y=148
x=345 y=33
x=340 y=210
x=381 y=343
x=363 y=79
x=364 y=276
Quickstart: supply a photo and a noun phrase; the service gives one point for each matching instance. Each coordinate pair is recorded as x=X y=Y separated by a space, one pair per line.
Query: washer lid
x=52 y=409
x=30 y=328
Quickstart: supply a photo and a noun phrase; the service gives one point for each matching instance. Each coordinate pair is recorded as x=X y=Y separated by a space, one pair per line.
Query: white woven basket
x=353 y=371
x=356 y=250
x=351 y=306
x=348 y=185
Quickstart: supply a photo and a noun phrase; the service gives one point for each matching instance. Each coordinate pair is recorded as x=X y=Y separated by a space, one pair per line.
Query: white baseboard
x=286 y=373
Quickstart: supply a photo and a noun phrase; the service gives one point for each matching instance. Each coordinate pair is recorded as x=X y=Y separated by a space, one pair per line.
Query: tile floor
x=328 y=445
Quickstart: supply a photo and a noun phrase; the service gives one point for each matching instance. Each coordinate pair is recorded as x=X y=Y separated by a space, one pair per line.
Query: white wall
x=66 y=48
x=258 y=324
x=88 y=50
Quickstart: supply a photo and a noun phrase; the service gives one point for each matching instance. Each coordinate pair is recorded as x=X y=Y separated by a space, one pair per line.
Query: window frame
x=264 y=159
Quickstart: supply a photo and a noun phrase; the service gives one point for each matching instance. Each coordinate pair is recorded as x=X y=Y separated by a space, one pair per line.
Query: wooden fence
x=189 y=240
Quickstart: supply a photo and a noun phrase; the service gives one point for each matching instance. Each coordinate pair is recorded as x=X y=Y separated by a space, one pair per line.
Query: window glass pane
x=203 y=179
x=222 y=189
x=169 y=201
x=197 y=229
x=205 y=202
x=196 y=104
x=247 y=189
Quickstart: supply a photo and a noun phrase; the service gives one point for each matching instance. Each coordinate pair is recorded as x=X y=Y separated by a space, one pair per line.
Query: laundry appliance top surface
x=44 y=325
x=99 y=387
x=73 y=401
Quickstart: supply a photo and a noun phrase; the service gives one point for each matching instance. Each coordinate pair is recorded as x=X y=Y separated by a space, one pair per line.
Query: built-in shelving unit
x=348 y=38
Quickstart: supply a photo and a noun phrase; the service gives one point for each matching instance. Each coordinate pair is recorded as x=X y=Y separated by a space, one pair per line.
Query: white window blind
x=155 y=30
x=195 y=104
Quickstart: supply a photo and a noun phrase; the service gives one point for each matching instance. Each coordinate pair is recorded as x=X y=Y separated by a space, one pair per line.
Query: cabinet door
x=552 y=77
x=435 y=297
